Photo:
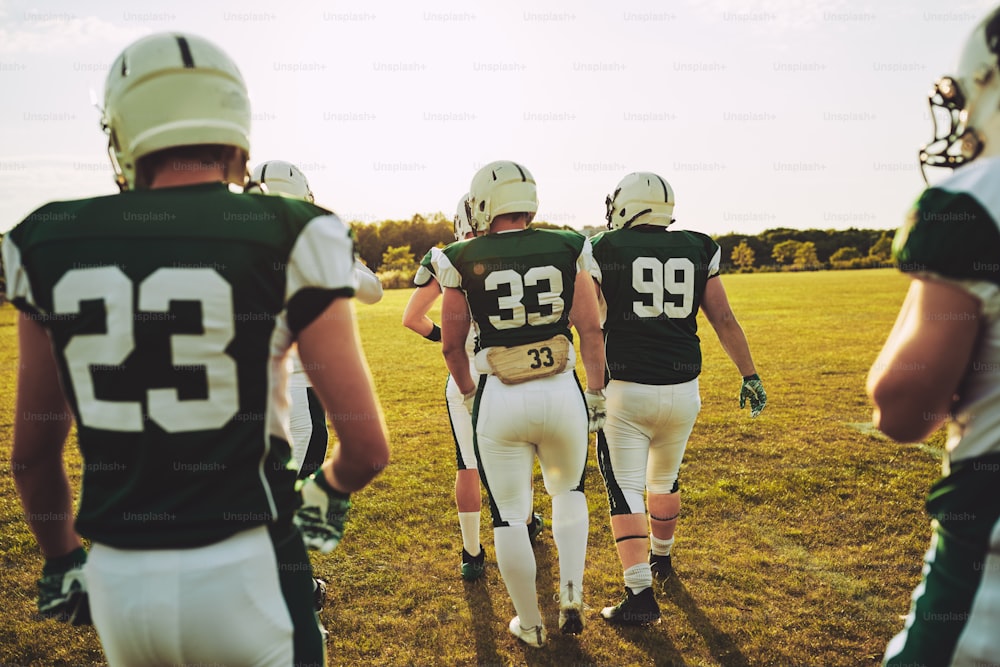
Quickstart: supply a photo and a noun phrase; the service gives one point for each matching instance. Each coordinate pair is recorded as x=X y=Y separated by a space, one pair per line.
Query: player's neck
x=507 y=226
x=187 y=172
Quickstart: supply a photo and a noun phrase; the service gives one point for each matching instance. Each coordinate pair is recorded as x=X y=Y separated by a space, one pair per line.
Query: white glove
x=470 y=400
x=597 y=410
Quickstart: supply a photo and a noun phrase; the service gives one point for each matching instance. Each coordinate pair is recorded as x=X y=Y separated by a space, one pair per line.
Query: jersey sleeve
x=426 y=270
x=950 y=236
x=447 y=274
x=595 y=266
x=714 y=253
x=320 y=269
x=369 y=288
x=18 y=287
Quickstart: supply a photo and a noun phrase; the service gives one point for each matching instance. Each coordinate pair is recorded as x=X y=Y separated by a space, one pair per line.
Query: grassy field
x=800 y=537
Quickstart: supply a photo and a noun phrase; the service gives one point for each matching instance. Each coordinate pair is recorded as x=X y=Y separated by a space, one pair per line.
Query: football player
x=308 y=419
x=159 y=319
x=522 y=287
x=941 y=364
x=651 y=282
x=467 y=494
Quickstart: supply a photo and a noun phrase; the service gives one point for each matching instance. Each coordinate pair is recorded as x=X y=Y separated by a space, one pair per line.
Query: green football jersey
x=170 y=312
x=519 y=284
x=952 y=235
x=652 y=282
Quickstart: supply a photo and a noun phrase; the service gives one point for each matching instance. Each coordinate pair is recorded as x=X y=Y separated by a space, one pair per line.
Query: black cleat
x=661 y=566
x=635 y=609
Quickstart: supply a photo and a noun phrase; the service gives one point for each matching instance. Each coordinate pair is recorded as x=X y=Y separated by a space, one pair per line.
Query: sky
x=760 y=113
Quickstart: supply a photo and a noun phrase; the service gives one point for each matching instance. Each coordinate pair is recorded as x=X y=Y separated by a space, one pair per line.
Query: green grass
x=799 y=543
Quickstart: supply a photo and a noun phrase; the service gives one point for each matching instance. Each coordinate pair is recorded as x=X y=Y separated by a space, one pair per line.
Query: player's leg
x=468 y=497
x=562 y=455
x=319 y=436
x=681 y=404
x=506 y=460
x=955 y=613
x=622 y=454
x=144 y=602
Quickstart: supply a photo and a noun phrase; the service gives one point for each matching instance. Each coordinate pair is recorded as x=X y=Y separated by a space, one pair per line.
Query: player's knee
x=665 y=486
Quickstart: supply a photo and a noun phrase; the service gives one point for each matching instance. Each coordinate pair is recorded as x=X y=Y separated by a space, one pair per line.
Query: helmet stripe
x=666 y=193
x=185 y=52
x=521 y=171
x=263 y=171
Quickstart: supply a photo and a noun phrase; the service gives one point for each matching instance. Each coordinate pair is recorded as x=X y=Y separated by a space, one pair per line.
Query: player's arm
x=715 y=305
x=415 y=314
x=455 y=330
x=914 y=379
x=41 y=424
x=369 y=286
x=586 y=319
x=342 y=381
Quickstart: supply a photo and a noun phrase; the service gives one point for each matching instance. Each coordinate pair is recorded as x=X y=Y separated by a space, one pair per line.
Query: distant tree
x=398 y=258
x=845 y=256
x=805 y=257
x=882 y=249
x=367 y=244
x=785 y=251
x=743 y=257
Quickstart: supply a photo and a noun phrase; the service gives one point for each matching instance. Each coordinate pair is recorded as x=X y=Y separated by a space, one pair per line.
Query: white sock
x=639 y=577
x=516 y=562
x=468 y=522
x=570 y=528
x=660 y=547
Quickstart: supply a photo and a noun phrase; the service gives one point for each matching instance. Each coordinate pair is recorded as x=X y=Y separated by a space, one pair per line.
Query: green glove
x=753 y=390
x=323 y=513
x=62 y=591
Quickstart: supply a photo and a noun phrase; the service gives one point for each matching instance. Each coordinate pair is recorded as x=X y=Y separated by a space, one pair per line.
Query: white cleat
x=571 y=610
x=534 y=636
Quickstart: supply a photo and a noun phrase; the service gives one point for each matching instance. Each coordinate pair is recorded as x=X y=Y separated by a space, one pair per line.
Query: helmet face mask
x=497 y=189
x=170 y=90
x=641 y=198
x=954 y=143
x=280 y=178
x=965 y=108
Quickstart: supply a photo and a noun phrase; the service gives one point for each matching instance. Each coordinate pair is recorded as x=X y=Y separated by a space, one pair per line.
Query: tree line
x=393 y=248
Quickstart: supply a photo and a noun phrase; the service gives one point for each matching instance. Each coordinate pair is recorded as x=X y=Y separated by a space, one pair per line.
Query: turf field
x=799 y=543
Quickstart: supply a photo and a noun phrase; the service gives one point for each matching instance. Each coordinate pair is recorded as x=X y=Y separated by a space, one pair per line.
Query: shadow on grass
x=721 y=645
x=484 y=621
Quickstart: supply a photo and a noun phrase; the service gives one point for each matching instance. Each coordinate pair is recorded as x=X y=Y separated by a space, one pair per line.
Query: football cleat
x=571 y=610
x=473 y=566
x=634 y=609
x=535 y=527
x=534 y=636
x=660 y=565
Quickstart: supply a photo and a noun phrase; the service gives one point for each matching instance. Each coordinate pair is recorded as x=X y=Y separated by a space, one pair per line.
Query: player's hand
x=323 y=513
x=62 y=590
x=597 y=410
x=753 y=391
x=470 y=400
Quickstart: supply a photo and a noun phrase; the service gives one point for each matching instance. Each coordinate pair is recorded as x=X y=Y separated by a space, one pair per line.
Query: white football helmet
x=968 y=103
x=168 y=90
x=280 y=177
x=463 y=226
x=500 y=187
x=641 y=198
